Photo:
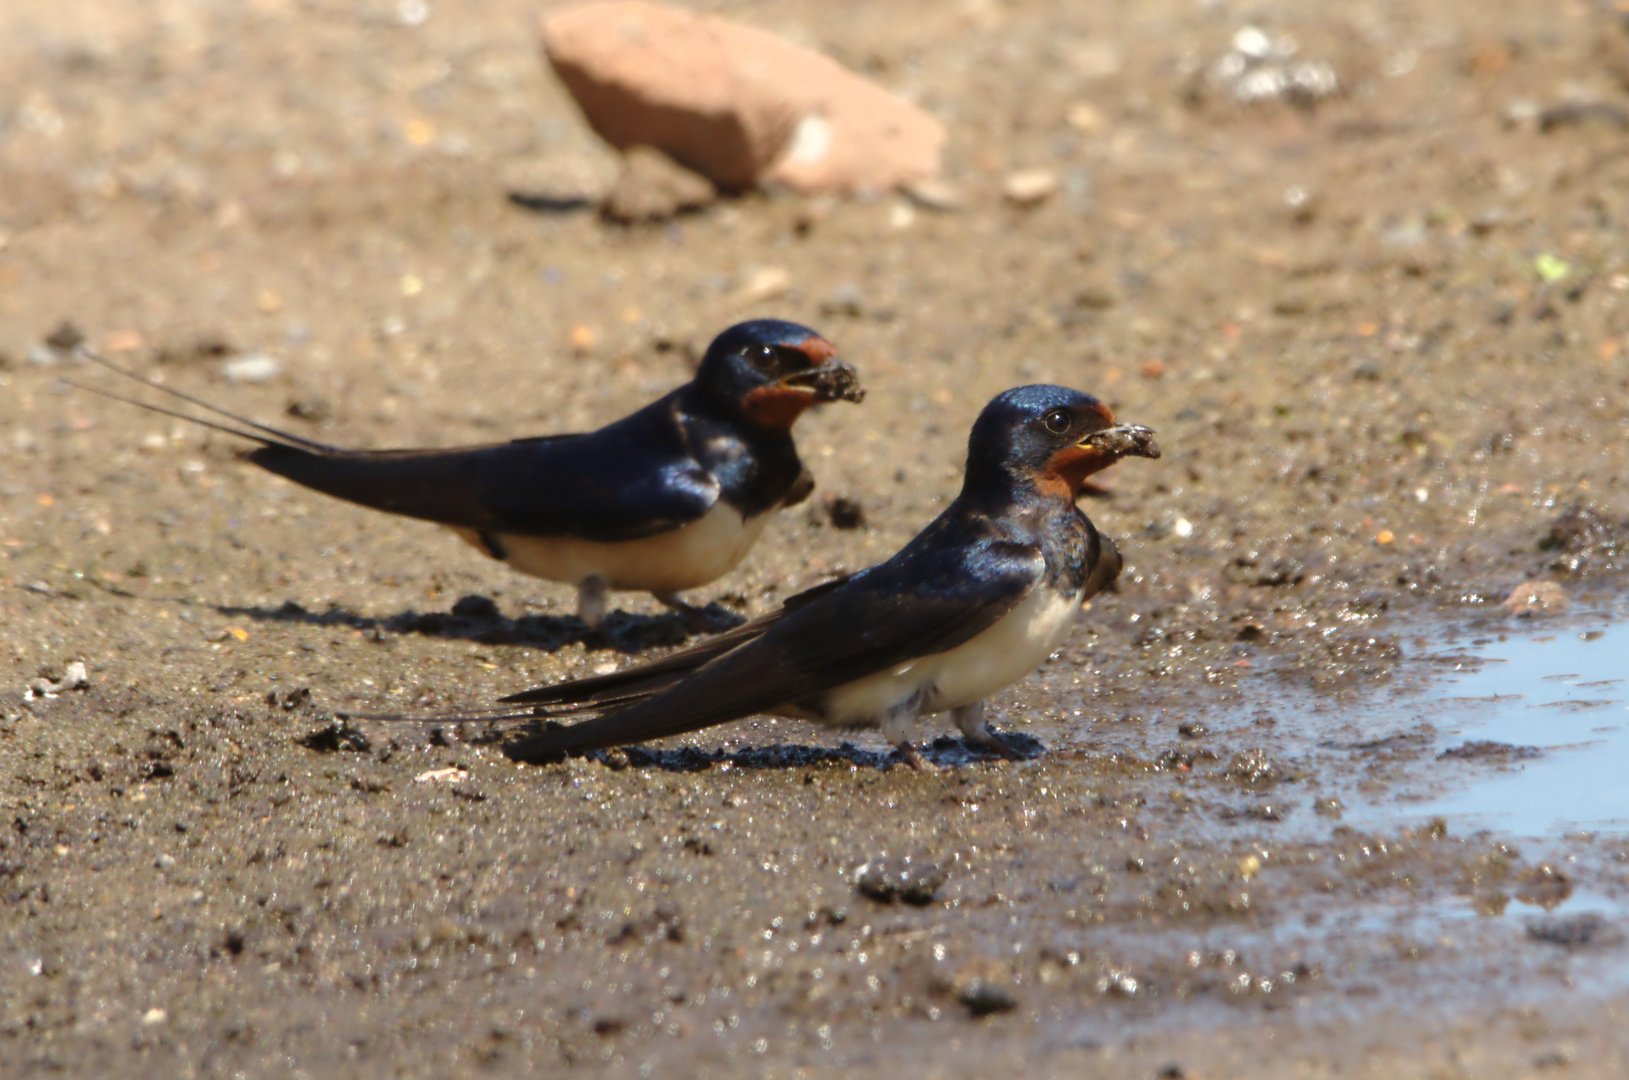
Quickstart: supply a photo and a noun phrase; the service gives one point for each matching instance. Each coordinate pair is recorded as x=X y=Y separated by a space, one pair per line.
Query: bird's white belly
x=972 y=671
x=691 y=555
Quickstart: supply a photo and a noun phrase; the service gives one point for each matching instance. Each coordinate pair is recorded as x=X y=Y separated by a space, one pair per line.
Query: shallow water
x=1563 y=693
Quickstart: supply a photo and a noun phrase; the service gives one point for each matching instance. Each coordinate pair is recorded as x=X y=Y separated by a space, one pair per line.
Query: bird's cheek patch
x=776 y=406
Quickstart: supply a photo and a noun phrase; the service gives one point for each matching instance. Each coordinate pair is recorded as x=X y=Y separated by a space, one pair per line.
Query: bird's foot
x=970 y=718
x=913 y=757
x=994 y=740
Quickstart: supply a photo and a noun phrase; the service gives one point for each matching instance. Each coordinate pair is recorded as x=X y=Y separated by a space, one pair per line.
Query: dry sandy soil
x=1384 y=337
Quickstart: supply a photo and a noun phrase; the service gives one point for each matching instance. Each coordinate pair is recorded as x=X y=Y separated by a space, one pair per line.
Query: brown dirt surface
x=1382 y=335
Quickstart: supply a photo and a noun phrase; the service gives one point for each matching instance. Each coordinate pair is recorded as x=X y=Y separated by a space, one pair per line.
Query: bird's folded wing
x=553 y=487
x=889 y=615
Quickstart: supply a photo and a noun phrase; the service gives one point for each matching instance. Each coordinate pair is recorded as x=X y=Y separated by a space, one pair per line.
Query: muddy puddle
x=1503 y=736
x=1548 y=711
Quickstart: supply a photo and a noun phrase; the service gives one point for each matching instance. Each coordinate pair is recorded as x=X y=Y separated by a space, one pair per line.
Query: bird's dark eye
x=764 y=354
x=1056 y=421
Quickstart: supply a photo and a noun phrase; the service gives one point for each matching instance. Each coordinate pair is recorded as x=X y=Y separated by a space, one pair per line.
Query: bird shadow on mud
x=348 y=731
x=945 y=752
x=477 y=618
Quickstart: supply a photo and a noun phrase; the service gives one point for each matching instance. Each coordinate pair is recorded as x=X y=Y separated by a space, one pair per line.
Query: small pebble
x=1536 y=597
x=889 y=880
x=583 y=338
x=987 y=999
x=73 y=678
x=762 y=284
x=934 y=195
x=251 y=368
x=1030 y=187
x=122 y=341
x=653 y=187
x=65 y=337
x=441 y=776
x=1085 y=118
x=845 y=513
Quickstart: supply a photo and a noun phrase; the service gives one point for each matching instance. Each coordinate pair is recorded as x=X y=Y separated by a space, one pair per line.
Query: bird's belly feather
x=972 y=671
x=683 y=558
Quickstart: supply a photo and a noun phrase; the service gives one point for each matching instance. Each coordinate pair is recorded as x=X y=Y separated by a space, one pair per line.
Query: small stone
x=1255 y=768
x=120 y=341
x=450 y=774
x=890 y=880
x=154 y=1016
x=1544 y=886
x=336 y=736
x=1252 y=43
x=1030 y=187
x=1193 y=729
x=66 y=337
x=986 y=999
x=653 y=187
x=1536 y=597
x=252 y=367
x=582 y=338
x=1085 y=118
x=312 y=409
x=844 y=513
x=74 y=677
x=1583 y=538
x=934 y=194
x=762 y=284
x=165 y=862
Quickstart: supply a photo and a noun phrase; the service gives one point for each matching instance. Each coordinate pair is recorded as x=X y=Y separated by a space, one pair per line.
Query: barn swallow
x=976 y=601
x=668 y=498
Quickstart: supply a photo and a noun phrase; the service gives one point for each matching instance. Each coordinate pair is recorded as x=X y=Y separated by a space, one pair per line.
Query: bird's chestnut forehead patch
x=816 y=348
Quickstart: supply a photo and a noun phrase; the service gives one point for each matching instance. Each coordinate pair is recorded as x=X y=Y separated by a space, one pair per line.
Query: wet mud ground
x=1381 y=336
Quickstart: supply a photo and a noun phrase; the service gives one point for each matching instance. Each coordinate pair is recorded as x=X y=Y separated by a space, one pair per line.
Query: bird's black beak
x=830 y=380
x=1123 y=440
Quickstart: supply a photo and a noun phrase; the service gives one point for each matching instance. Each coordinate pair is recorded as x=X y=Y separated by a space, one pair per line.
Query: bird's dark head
x=1049 y=438
x=768 y=372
